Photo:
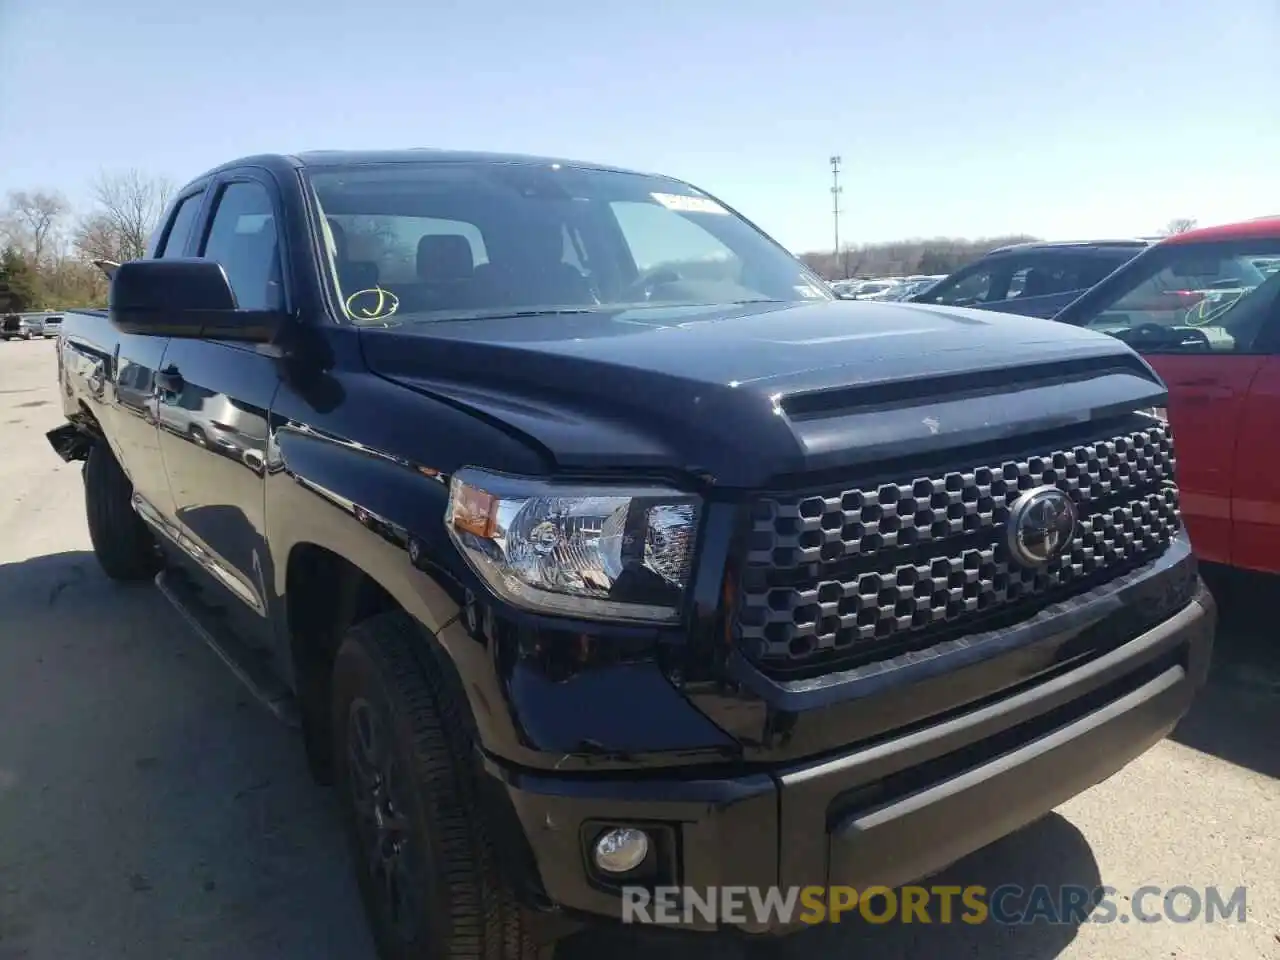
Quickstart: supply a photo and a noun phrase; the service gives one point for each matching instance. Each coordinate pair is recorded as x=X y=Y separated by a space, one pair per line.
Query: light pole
x=836 y=190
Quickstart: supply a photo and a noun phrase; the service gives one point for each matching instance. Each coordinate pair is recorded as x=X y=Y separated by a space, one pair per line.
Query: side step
x=246 y=663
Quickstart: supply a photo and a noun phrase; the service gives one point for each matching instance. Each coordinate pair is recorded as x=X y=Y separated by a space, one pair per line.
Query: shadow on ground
x=170 y=817
x=1236 y=715
x=148 y=806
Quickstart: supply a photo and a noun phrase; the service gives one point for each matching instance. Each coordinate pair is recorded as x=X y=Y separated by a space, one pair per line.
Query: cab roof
x=327 y=158
x=1263 y=228
x=1124 y=243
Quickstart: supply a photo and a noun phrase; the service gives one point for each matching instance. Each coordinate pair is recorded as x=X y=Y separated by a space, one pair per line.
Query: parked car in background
x=1200 y=310
x=874 y=288
x=21 y=326
x=906 y=289
x=50 y=324
x=1036 y=279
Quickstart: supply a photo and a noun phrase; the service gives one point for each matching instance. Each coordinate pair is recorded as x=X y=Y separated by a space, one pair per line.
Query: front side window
x=1051 y=274
x=457 y=240
x=1187 y=297
x=242 y=237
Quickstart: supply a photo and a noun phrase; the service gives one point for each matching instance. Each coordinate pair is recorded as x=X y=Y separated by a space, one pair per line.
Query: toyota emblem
x=1041 y=524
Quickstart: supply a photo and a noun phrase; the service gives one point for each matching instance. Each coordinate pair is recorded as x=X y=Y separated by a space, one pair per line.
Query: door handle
x=169 y=380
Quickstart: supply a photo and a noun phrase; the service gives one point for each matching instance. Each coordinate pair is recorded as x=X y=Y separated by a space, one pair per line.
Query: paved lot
x=149 y=809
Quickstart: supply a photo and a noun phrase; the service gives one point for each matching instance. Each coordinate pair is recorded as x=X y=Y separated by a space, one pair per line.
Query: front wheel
x=121 y=541
x=426 y=865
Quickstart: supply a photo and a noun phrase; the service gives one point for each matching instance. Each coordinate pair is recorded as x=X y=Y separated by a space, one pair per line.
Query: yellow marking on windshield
x=386 y=304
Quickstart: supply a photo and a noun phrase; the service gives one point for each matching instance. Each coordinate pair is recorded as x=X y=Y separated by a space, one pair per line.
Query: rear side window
x=1095 y=269
x=1048 y=275
x=182 y=224
x=1055 y=273
x=242 y=237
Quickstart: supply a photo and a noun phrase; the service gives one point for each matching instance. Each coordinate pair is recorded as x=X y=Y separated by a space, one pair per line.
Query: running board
x=246 y=663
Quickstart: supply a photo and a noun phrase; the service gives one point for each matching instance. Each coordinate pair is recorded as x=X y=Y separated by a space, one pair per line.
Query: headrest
x=356 y=275
x=445 y=256
x=1036 y=284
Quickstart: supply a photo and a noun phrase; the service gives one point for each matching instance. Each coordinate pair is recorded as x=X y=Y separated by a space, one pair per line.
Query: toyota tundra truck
x=593 y=545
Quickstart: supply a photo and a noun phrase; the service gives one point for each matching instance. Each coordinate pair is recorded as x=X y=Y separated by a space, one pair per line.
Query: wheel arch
x=326 y=595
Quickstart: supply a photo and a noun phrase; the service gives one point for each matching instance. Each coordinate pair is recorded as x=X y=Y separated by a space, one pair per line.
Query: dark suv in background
x=1037 y=279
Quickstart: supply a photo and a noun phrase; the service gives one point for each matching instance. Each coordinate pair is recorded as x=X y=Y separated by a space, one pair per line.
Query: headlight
x=1155 y=413
x=604 y=553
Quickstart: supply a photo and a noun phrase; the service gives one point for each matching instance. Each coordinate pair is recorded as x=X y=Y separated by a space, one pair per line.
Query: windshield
x=463 y=240
x=1192 y=296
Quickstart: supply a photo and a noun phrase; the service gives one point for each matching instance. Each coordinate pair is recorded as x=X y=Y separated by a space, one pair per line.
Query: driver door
x=1196 y=312
x=1207 y=394
x=1255 y=504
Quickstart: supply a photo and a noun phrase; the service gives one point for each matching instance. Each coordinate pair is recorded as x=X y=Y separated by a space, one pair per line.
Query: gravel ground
x=148 y=808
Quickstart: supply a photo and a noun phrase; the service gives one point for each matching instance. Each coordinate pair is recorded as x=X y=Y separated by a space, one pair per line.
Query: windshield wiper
x=518 y=314
x=509 y=314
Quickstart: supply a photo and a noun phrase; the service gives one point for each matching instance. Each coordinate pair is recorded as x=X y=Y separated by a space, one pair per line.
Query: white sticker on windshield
x=683 y=204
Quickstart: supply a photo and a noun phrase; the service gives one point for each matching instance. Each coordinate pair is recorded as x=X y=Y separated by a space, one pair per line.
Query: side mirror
x=189 y=298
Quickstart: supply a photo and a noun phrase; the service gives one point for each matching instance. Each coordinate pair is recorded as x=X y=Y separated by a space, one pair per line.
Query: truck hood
x=748 y=394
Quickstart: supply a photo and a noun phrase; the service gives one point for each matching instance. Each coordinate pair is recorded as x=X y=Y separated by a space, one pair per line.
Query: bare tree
x=33 y=221
x=1178 y=225
x=97 y=238
x=128 y=207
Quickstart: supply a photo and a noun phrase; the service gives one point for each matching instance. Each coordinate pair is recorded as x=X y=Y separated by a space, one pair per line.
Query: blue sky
x=1066 y=120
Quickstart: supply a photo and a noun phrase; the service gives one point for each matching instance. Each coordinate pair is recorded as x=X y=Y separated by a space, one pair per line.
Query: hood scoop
x=812 y=404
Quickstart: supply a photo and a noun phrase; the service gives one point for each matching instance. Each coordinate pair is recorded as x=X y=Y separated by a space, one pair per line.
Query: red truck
x=1203 y=307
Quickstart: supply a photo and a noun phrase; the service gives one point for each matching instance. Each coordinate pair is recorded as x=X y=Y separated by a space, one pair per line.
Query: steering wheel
x=1150 y=331
x=642 y=287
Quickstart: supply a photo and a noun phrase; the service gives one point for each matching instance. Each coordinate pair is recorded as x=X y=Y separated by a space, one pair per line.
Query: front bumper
x=887 y=813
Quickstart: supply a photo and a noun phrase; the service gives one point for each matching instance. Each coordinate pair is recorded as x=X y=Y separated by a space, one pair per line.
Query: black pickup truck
x=593 y=544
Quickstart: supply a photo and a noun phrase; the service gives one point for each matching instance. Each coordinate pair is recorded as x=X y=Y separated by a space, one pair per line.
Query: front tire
x=427 y=869
x=121 y=541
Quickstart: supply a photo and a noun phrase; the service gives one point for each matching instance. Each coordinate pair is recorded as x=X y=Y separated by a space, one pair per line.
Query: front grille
x=871 y=571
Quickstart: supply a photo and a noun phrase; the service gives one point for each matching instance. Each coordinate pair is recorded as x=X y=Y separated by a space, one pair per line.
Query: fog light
x=621 y=850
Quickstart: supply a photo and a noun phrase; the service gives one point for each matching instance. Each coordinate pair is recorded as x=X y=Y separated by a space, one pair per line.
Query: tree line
x=902 y=258
x=47 y=249
x=939 y=255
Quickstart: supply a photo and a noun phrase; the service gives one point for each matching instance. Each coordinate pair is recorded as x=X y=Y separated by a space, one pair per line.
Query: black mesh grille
x=830 y=576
